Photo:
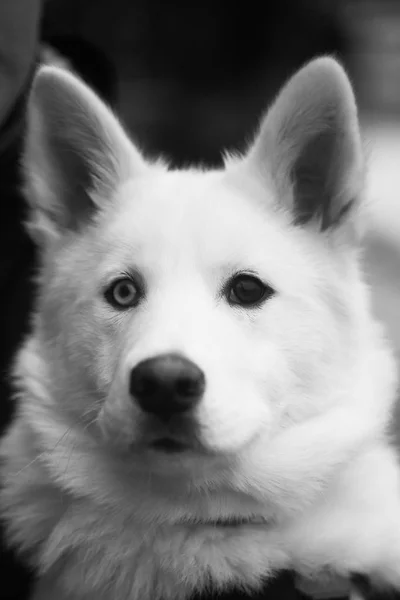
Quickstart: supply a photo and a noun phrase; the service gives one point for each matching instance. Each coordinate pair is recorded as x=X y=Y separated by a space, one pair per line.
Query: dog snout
x=167 y=385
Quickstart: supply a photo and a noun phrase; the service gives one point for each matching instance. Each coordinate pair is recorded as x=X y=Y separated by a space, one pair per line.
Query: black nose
x=167 y=385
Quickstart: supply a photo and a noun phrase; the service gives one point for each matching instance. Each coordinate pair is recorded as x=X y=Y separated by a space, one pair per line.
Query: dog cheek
x=117 y=424
x=118 y=420
x=82 y=352
x=91 y=349
x=104 y=349
x=237 y=404
x=308 y=341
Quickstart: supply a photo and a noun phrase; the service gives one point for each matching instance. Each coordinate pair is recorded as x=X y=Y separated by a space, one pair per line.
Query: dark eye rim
x=267 y=291
x=108 y=293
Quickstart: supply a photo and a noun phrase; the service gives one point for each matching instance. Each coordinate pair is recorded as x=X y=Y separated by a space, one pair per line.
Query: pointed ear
x=309 y=145
x=76 y=154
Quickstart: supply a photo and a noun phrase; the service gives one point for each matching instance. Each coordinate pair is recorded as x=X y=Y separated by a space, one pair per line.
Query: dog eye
x=123 y=293
x=247 y=290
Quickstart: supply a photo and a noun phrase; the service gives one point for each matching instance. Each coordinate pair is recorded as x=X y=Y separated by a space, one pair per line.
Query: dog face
x=189 y=314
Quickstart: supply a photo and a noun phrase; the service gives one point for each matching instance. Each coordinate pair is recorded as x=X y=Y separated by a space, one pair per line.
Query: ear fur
x=309 y=145
x=76 y=153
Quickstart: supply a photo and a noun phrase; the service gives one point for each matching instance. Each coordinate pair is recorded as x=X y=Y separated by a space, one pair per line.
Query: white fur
x=293 y=427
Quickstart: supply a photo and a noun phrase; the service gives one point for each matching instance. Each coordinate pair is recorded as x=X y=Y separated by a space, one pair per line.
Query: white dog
x=204 y=397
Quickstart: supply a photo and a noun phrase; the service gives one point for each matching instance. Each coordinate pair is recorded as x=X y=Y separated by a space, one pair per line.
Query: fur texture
x=291 y=436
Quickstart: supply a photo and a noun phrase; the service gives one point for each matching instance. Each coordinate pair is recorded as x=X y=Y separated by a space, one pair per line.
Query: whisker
x=47 y=451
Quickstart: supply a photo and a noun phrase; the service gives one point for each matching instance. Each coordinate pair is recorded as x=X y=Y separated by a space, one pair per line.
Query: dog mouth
x=169 y=440
x=233 y=522
x=169 y=445
x=173 y=445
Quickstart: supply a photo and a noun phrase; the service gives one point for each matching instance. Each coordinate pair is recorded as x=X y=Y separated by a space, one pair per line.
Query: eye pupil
x=247 y=290
x=123 y=290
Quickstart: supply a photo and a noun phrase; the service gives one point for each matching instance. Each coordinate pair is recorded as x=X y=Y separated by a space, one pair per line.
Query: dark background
x=192 y=77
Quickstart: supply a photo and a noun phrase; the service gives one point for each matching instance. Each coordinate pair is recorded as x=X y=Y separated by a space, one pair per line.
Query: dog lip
x=228 y=522
x=169 y=445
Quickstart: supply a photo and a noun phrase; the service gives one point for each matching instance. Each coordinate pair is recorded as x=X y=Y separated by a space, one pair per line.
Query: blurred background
x=192 y=78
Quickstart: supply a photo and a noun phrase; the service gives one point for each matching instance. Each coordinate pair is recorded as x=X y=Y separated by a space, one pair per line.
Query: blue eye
x=247 y=290
x=122 y=293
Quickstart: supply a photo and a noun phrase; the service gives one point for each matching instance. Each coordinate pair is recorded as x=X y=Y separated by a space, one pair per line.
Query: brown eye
x=247 y=290
x=123 y=293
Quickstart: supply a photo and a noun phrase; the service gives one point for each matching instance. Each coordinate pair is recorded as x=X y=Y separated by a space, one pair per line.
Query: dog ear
x=309 y=145
x=76 y=153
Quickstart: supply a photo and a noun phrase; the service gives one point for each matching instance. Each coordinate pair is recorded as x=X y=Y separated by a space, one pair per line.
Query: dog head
x=193 y=312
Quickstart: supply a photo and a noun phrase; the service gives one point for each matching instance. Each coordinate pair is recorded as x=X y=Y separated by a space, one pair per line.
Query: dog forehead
x=189 y=204
x=189 y=217
x=185 y=225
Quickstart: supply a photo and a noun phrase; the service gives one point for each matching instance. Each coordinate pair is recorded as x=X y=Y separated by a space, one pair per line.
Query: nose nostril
x=189 y=386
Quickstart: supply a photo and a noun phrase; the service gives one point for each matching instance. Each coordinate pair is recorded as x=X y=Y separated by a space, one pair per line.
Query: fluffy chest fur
x=100 y=530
